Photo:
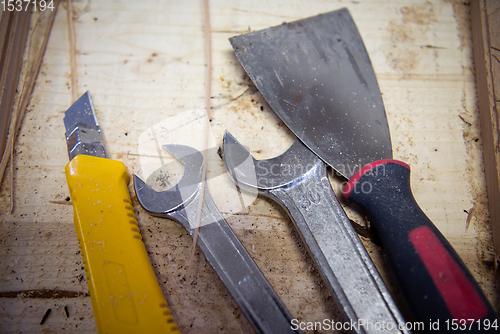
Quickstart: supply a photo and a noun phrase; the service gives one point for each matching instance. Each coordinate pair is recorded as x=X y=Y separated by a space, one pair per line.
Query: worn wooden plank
x=13 y=34
x=144 y=63
x=485 y=19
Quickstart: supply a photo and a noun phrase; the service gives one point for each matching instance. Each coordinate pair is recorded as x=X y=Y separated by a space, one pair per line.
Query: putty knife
x=316 y=75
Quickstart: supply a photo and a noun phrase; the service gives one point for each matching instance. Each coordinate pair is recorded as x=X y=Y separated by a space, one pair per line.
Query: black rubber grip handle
x=435 y=281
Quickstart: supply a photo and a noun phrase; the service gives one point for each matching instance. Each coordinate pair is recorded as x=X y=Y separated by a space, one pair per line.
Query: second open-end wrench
x=246 y=283
x=297 y=180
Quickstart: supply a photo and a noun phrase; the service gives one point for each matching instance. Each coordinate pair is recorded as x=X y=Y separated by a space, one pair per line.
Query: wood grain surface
x=485 y=21
x=144 y=65
x=13 y=33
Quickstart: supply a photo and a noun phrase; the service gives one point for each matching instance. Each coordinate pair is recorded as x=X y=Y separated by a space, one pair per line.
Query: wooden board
x=144 y=63
x=13 y=33
x=485 y=20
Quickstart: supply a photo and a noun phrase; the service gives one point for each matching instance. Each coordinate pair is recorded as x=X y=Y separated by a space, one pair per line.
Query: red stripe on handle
x=349 y=187
x=462 y=300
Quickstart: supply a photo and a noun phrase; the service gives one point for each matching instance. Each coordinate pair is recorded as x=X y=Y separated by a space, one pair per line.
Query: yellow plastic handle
x=125 y=294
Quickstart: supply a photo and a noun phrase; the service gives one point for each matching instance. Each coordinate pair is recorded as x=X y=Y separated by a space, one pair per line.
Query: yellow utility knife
x=125 y=294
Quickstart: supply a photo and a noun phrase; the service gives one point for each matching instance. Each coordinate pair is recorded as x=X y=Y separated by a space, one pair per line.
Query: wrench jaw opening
x=163 y=203
x=267 y=174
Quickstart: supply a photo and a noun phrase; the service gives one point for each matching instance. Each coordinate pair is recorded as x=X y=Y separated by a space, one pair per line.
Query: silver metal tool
x=317 y=76
x=298 y=181
x=257 y=299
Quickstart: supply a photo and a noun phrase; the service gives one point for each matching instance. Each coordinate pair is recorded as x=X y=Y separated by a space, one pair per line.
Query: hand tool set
x=316 y=75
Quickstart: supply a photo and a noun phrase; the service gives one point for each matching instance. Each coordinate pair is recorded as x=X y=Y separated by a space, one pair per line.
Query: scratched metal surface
x=144 y=64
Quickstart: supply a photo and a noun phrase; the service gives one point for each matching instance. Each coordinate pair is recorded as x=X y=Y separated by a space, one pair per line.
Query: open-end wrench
x=297 y=180
x=246 y=283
